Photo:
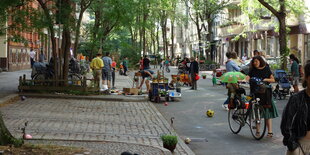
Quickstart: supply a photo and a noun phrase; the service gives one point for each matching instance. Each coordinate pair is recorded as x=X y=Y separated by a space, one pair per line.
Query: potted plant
x=169 y=141
x=204 y=76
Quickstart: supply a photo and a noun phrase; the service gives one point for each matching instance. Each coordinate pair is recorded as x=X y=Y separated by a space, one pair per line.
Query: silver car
x=245 y=67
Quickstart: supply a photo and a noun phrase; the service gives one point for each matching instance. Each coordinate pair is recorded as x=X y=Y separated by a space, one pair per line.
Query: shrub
x=169 y=139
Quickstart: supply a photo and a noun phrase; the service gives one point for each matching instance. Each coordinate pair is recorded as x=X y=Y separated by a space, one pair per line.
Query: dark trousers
x=31 y=62
x=194 y=82
x=125 y=70
x=113 y=78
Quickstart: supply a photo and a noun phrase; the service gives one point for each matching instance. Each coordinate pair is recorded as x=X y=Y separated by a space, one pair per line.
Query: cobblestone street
x=62 y=120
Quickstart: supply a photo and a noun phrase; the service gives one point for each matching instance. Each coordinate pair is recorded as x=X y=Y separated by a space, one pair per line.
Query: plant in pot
x=169 y=141
x=204 y=76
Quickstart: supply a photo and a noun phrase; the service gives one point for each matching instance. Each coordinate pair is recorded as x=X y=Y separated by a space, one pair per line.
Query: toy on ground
x=187 y=140
x=210 y=113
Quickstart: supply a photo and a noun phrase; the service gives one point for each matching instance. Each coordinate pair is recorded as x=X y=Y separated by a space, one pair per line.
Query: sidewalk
x=100 y=126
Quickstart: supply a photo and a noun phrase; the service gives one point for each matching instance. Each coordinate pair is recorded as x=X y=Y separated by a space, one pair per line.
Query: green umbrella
x=232 y=77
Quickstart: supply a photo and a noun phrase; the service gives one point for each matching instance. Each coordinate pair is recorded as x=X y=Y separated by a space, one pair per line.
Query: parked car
x=245 y=67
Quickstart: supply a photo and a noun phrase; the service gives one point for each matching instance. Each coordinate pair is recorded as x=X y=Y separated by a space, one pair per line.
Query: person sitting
x=148 y=76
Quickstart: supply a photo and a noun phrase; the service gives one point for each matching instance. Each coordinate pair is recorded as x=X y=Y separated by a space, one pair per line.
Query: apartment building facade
x=261 y=36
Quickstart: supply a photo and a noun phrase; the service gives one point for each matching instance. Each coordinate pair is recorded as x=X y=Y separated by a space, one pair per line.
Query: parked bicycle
x=251 y=114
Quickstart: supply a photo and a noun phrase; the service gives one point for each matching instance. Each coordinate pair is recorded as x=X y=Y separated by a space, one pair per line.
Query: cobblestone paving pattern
x=61 y=119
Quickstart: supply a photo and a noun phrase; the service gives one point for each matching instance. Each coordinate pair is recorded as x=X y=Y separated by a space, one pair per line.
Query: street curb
x=99 y=97
x=9 y=99
x=167 y=125
x=163 y=150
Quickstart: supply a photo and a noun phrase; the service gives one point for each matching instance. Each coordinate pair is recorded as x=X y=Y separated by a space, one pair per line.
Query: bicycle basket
x=265 y=98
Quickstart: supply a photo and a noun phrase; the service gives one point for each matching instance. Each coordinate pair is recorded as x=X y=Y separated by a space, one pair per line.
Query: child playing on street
x=214 y=77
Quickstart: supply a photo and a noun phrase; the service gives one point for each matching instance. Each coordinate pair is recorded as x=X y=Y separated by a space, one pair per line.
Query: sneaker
x=225 y=106
x=102 y=89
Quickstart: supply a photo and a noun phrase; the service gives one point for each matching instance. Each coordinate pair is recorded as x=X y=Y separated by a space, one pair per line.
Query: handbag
x=197 y=77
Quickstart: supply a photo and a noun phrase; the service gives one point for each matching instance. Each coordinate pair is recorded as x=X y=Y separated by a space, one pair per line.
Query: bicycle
x=253 y=115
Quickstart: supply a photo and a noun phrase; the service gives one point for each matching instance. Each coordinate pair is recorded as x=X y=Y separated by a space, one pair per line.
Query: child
x=214 y=77
x=231 y=87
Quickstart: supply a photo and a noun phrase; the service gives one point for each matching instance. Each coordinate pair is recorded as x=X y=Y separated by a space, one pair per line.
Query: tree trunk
x=199 y=37
x=6 y=137
x=157 y=39
x=209 y=52
x=52 y=34
x=66 y=43
x=172 y=39
x=283 y=41
x=77 y=32
x=95 y=32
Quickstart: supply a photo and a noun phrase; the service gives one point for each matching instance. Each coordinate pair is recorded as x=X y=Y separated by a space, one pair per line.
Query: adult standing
x=125 y=65
x=244 y=57
x=106 y=71
x=255 y=53
x=296 y=119
x=231 y=65
x=295 y=72
x=96 y=65
x=193 y=70
x=113 y=65
x=32 y=55
x=146 y=63
x=260 y=70
x=41 y=56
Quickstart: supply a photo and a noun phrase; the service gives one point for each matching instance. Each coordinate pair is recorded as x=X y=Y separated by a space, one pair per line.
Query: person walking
x=107 y=71
x=162 y=63
x=32 y=55
x=167 y=63
x=295 y=72
x=113 y=65
x=125 y=65
x=193 y=70
x=295 y=123
x=260 y=70
x=96 y=65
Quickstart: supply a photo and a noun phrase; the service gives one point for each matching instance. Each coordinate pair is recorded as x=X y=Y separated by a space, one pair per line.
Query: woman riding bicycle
x=260 y=70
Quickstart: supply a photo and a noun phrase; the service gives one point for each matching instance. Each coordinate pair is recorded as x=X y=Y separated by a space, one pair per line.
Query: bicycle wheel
x=257 y=121
x=212 y=67
x=235 y=120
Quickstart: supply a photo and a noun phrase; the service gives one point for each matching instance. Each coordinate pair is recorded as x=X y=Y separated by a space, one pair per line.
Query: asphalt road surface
x=212 y=135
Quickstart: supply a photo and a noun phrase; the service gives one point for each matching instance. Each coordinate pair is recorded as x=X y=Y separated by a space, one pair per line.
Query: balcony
x=265 y=24
x=231 y=29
